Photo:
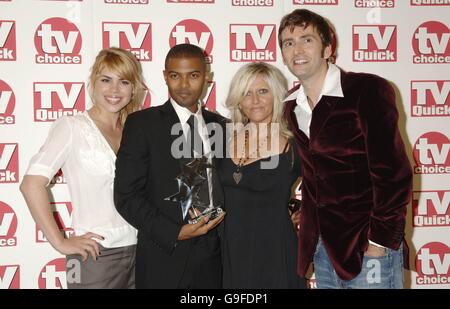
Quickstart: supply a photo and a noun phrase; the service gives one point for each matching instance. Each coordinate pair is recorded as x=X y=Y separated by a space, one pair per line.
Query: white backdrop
x=47 y=47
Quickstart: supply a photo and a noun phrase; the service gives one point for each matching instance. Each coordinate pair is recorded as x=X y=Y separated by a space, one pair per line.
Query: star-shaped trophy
x=190 y=181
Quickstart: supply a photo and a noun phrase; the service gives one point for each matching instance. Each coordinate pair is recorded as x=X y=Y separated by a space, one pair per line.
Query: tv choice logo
x=253 y=42
x=194 y=32
x=430 y=43
x=55 y=99
x=374 y=3
x=8 y=226
x=252 y=2
x=375 y=43
x=431 y=208
x=429 y=2
x=190 y=1
x=433 y=264
x=58 y=41
x=430 y=98
x=7 y=104
x=62 y=212
x=8 y=51
x=431 y=154
x=316 y=2
x=126 y=1
x=135 y=37
x=9 y=277
x=53 y=275
x=9 y=163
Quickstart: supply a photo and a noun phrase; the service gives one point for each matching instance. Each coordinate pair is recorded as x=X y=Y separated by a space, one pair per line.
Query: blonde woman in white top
x=101 y=252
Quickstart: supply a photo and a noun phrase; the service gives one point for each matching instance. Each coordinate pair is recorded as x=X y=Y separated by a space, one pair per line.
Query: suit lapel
x=324 y=109
x=170 y=118
x=321 y=113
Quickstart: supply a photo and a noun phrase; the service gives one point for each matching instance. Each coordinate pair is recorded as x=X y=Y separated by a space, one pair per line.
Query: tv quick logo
x=433 y=264
x=58 y=178
x=9 y=277
x=252 y=2
x=9 y=163
x=62 y=212
x=58 y=41
x=375 y=43
x=190 y=1
x=8 y=50
x=53 y=275
x=126 y=1
x=431 y=208
x=431 y=43
x=8 y=226
x=210 y=97
x=429 y=2
x=431 y=153
x=135 y=37
x=194 y=32
x=316 y=2
x=430 y=98
x=374 y=3
x=252 y=42
x=7 y=104
x=52 y=100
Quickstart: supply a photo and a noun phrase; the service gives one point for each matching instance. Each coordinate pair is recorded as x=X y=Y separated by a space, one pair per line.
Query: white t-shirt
x=76 y=145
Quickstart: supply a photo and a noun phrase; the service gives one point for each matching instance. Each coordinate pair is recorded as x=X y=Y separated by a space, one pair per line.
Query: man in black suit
x=170 y=252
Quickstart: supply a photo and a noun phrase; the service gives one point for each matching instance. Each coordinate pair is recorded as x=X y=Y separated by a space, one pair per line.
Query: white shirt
x=331 y=87
x=76 y=145
x=184 y=114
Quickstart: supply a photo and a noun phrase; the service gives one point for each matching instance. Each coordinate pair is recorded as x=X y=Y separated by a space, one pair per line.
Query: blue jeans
x=384 y=272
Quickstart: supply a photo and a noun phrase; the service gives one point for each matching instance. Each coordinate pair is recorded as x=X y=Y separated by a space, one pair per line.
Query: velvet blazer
x=357 y=179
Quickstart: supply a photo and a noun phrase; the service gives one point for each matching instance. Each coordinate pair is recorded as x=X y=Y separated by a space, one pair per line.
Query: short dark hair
x=304 y=18
x=186 y=51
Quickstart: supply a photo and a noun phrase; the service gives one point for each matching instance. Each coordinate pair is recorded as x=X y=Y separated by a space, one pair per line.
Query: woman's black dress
x=259 y=241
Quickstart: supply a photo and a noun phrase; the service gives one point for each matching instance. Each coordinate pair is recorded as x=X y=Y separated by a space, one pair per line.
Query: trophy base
x=212 y=213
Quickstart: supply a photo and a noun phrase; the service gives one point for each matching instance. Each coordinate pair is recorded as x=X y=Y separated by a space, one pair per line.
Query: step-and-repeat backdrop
x=47 y=47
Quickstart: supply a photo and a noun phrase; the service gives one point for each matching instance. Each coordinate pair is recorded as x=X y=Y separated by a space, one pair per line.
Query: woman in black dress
x=261 y=166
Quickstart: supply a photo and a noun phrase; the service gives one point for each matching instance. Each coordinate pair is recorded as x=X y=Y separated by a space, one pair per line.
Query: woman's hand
x=83 y=245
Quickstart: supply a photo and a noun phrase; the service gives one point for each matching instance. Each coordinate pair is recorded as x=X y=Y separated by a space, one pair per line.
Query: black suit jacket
x=145 y=176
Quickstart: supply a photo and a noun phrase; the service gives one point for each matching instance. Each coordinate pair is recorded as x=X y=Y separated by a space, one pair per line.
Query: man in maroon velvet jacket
x=356 y=175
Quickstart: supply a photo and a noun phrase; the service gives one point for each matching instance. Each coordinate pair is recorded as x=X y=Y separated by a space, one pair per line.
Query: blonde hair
x=241 y=83
x=125 y=64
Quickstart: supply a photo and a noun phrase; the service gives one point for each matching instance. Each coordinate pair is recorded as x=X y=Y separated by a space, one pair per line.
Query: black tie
x=195 y=139
x=197 y=151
